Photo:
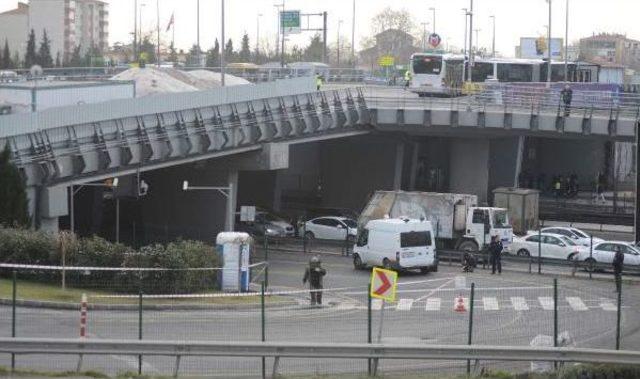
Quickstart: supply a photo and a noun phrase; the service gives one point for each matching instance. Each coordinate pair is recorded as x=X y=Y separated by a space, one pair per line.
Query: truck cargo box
x=446 y=211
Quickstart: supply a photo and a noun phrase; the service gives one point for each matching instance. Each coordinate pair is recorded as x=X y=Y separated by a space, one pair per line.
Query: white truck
x=459 y=223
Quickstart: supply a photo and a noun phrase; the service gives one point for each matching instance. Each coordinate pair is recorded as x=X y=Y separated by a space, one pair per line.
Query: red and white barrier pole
x=83 y=316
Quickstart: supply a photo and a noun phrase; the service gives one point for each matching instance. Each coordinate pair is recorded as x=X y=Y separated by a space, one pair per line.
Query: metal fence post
x=13 y=315
x=264 y=337
x=470 y=335
x=619 y=317
x=266 y=259
x=304 y=236
x=369 y=332
x=555 y=312
x=591 y=256
x=140 y=323
x=539 y=251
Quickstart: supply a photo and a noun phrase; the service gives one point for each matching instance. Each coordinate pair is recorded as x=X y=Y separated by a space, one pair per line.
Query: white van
x=401 y=244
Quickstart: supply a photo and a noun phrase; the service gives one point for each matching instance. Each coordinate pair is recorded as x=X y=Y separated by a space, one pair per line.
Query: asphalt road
x=510 y=309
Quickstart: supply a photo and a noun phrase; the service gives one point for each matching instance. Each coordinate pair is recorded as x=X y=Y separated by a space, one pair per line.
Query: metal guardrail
x=24 y=346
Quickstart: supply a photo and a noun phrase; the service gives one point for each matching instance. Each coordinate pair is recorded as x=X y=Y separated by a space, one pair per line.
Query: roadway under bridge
x=285 y=146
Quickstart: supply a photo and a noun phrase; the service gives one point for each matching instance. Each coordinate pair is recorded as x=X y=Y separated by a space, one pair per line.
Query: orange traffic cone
x=460 y=305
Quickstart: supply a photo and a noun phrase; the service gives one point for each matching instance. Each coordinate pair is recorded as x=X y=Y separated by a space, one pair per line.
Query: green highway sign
x=290 y=22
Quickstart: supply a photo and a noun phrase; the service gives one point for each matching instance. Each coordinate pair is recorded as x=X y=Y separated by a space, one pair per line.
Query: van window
x=363 y=238
x=415 y=239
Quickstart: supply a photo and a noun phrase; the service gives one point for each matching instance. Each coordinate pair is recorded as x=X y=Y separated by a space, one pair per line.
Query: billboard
x=290 y=22
x=536 y=48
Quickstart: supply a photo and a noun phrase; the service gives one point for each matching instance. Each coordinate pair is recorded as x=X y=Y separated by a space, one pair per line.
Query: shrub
x=26 y=246
x=601 y=371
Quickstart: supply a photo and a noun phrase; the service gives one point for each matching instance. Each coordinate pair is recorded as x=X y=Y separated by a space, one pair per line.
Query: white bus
x=436 y=74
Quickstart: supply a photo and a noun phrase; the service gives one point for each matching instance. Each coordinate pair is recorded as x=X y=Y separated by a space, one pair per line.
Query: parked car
x=397 y=243
x=551 y=246
x=336 y=212
x=604 y=252
x=577 y=235
x=265 y=223
x=331 y=228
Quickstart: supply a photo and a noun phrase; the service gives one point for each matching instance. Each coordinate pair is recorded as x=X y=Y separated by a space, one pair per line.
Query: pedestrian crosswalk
x=489 y=303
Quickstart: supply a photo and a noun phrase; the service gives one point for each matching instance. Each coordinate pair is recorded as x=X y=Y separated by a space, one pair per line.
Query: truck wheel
x=357 y=262
x=468 y=246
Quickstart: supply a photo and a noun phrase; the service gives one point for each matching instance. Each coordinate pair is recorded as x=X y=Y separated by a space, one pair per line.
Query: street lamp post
x=566 y=45
x=135 y=30
x=434 y=18
x=278 y=6
x=464 y=49
x=353 y=36
x=471 y=57
x=227 y=192
x=338 y=45
x=493 y=41
x=549 y=45
x=283 y=36
x=223 y=45
x=198 y=25
x=258 y=34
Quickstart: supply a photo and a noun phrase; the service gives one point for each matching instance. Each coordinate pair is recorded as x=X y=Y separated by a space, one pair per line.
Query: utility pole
x=566 y=45
x=258 y=34
x=325 y=57
x=135 y=30
x=434 y=18
x=198 y=24
x=549 y=47
x=338 y=44
x=471 y=41
x=158 y=30
x=353 y=36
x=464 y=60
x=222 y=62
x=277 y=6
x=283 y=36
x=493 y=42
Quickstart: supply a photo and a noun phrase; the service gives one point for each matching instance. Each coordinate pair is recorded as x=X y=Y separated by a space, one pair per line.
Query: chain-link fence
x=186 y=305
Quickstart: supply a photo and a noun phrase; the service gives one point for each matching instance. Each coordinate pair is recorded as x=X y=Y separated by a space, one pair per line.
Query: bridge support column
x=52 y=204
x=469 y=167
x=399 y=165
x=232 y=200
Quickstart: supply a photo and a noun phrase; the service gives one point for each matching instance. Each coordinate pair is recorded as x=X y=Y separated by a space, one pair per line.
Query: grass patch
x=54 y=293
x=4 y=371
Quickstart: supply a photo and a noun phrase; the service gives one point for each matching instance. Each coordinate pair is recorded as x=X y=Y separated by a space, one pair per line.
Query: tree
x=314 y=52
x=229 y=55
x=245 y=50
x=173 y=54
x=76 y=60
x=13 y=195
x=147 y=51
x=15 y=62
x=44 y=53
x=58 y=63
x=213 y=55
x=193 y=57
x=392 y=19
x=30 y=57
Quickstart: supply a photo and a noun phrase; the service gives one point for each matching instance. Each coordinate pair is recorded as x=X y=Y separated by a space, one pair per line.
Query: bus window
x=482 y=71
x=427 y=65
x=509 y=72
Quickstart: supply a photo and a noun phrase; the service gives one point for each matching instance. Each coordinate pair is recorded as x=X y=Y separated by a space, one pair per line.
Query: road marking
x=519 y=303
x=608 y=305
x=436 y=289
x=433 y=304
x=376 y=304
x=490 y=304
x=404 y=304
x=546 y=303
x=576 y=303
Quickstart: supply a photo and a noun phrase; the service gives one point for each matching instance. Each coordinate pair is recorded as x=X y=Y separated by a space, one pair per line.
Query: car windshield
x=350 y=223
x=500 y=219
x=568 y=241
x=579 y=233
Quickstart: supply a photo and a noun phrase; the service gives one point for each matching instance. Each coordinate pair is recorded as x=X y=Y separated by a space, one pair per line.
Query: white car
x=577 y=235
x=551 y=246
x=331 y=228
x=605 y=251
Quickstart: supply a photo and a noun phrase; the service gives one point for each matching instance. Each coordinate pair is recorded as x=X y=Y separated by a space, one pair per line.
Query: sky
x=514 y=19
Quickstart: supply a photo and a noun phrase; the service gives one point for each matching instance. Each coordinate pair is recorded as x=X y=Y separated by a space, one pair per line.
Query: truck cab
x=483 y=223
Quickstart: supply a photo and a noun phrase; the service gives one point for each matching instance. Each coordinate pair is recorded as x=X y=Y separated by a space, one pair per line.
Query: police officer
x=618 y=264
x=495 y=251
x=314 y=274
x=407 y=79
x=567 y=96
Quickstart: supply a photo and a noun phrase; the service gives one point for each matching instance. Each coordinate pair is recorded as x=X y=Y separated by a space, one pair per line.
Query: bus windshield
x=427 y=64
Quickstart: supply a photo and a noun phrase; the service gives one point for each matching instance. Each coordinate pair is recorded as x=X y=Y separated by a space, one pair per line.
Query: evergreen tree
x=193 y=57
x=44 y=53
x=30 y=57
x=76 y=60
x=213 y=55
x=245 y=50
x=315 y=50
x=13 y=194
x=15 y=62
x=173 y=54
x=147 y=51
x=229 y=55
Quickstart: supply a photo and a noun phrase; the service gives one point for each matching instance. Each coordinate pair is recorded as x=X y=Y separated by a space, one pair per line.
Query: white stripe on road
x=546 y=303
x=576 y=303
x=376 y=304
x=519 y=303
x=433 y=304
x=404 y=304
x=490 y=304
x=608 y=305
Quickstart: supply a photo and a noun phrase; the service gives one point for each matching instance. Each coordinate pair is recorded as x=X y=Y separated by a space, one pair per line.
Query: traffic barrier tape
x=90 y=268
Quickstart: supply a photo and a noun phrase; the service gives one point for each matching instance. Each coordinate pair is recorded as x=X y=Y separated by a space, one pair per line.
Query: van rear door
x=416 y=249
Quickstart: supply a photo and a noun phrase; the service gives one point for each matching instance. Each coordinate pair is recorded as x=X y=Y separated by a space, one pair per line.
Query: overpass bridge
x=253 y=126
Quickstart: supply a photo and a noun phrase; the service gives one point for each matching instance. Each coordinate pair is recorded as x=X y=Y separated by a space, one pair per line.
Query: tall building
x=611 y=48
x=69 y=23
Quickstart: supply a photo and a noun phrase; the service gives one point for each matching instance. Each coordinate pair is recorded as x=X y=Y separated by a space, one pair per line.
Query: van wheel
x=357 y=262
x=386 y=264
